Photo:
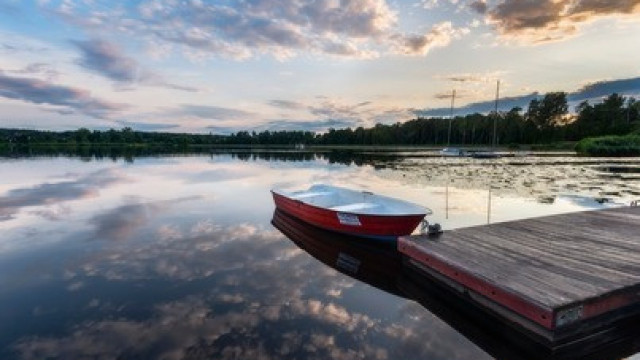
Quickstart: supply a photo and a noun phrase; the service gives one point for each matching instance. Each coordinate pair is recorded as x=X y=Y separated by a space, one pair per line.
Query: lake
x=176 y=256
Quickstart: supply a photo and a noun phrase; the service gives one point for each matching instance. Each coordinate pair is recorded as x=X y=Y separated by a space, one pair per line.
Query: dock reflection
x=380 y=265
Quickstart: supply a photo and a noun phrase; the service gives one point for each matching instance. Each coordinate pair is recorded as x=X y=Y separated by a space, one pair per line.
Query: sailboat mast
x=453 y=97
x=495 y=116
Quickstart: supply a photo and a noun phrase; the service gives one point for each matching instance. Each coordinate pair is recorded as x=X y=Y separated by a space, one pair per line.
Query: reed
x=626 y=145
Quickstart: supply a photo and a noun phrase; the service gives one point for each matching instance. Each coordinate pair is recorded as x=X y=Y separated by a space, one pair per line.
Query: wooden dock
x=557 y=278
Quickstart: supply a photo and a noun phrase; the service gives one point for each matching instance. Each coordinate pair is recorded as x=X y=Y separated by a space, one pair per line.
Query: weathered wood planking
x=554 y=271
x=497 y=336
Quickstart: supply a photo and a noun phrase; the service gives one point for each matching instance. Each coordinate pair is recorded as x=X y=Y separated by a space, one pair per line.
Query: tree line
x=546 y=120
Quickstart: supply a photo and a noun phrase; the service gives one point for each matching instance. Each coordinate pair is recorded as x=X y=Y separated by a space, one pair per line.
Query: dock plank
x=590 y=258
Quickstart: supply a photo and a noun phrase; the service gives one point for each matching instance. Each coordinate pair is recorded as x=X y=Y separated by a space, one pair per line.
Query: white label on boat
x=348 y=219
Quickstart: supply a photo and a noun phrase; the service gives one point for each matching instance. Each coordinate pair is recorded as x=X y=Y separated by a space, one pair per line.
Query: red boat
x=359 y=213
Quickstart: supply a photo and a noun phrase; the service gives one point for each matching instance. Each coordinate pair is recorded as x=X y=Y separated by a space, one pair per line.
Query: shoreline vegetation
x=609 y=128
x=617 y=146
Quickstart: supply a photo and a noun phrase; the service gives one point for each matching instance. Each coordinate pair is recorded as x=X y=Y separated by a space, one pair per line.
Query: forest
x=546 y=120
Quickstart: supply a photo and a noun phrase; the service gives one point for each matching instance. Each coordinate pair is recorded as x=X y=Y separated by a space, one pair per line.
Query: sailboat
x=491 y=154
x=449 y=151
x=452 y=152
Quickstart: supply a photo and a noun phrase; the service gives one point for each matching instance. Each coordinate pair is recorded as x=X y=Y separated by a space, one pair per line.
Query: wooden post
x=489 y=206
x=446 y=193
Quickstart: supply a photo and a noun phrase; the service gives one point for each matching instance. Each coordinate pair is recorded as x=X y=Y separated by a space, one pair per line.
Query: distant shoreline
x=568 y=146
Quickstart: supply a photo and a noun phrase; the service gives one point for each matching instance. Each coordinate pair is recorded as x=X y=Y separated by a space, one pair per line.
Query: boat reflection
x=375 y=263
x=380 y=265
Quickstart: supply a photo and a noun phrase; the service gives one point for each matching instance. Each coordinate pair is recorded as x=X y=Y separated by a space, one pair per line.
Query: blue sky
x=223 y=66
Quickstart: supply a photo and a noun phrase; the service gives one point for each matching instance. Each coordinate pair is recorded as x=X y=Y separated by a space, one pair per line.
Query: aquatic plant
x=626 y=145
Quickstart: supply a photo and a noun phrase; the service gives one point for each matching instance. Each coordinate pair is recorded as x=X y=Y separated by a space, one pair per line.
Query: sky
x=225 y=66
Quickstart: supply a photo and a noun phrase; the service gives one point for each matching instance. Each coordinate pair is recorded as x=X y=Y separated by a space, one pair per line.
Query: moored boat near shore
x=360 y=213
x=455 y=152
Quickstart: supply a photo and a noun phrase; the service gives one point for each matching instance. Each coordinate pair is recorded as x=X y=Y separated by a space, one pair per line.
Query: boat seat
x=355 y=206
x=310 y=194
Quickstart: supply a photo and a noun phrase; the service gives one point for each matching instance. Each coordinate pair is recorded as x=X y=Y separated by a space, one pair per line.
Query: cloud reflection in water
x=86 y=186
x=240 y=291
x=179 y=261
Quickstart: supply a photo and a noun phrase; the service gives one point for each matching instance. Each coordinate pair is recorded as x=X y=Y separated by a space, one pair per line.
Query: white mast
x=453 y=97
x=495 y=117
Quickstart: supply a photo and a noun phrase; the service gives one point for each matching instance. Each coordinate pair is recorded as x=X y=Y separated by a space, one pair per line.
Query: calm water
x=177 y=257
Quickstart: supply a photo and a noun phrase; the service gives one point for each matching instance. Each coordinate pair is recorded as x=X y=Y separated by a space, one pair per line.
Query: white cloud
x=279 y=28
x=440 y=35
x=551 y=20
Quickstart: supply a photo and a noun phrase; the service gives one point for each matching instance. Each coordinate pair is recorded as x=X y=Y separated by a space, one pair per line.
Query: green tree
x=127 y=135
x=82 y=135
x=548 y=112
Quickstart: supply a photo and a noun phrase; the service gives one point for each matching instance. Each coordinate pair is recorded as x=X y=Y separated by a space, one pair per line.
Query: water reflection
x=99 y=152
x=175 y=257
x=81 y=187
x=375 y=263
x=212 y=292
x=380 y=266
x=131 y=153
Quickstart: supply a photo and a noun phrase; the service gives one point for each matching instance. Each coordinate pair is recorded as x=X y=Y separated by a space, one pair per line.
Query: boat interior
x=352 y=201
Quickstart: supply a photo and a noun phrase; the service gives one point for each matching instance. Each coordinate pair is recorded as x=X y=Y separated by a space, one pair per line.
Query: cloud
x=514 y=16
x=311 y=125
x=551 y=20
x=38 y=68
x=447 y=95
x=325 y=113
x=7 y=47
x=479 y=6
x=213 y=112
x=336 y=109
x=210 y=291
x=217 y=175
x=107 y=59
x=321 y=125
x=630 y=87
x=592 y=92
x=391 y=116
x=472 y=77
x=317 y=116
x=365 y=113
x=444 y=95
x=15 y=44
x=505 y=103
x=44 y=92
x=440 y=35
x=221 y=130
x=47 y=194
x=286 y=104
x=583 y=8
x=194 y=327
x=246 y=29
x=347 y=49
x=427 y=4
x=121 y=222
x=144 y=126
x=55 y=214
x=236 y=297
